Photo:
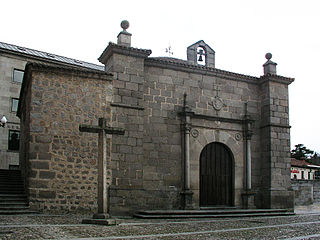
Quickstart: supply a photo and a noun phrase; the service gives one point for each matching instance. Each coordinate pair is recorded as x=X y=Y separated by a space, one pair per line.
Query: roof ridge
x=182 y=62
x=51 y=56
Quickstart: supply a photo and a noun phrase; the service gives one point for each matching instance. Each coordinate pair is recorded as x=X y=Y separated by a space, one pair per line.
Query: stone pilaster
x=275 y=141
x=127 y=109
x=186 y=194
x=248 y=195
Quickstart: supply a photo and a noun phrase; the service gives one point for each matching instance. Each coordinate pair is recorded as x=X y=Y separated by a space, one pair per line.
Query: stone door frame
x=200 y=137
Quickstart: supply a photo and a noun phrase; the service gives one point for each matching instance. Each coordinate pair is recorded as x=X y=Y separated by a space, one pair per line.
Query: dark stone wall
x=306 y=192
x=61 y=167
x=275 y=145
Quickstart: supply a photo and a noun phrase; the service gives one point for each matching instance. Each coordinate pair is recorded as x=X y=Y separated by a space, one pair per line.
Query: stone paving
x=305 y=225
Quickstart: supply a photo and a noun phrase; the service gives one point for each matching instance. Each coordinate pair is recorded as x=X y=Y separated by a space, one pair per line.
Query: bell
x=200 y=55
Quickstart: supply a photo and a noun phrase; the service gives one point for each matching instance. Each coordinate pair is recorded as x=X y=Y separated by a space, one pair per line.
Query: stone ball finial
x=268 y=56
x=125 y=25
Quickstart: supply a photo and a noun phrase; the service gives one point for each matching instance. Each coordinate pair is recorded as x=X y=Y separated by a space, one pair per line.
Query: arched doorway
x=216 y=175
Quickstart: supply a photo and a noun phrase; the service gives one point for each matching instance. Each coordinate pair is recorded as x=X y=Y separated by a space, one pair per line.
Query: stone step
x=13 y=204
x=220 y=213
x=12 y=191
x=20 y=182
x=11 y=180
x=9 y=171
x=11 y=199
x=14 y=207
x=12 y=195
x=214 y=215
x=10 y=176
x=12 y=187
x=213 y=211
x=5 y=186
x=17 y=212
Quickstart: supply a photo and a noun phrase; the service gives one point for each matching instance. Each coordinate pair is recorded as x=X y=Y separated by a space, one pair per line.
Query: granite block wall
x=61 y=162
x=147 y=162
x=8 y=90
x=275 y=145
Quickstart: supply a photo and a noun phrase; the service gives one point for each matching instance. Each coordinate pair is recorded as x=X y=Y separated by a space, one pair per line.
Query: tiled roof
x=298 y=163
x=197 y=67
x=174 y=60
x=302 y=163
x=48 y=56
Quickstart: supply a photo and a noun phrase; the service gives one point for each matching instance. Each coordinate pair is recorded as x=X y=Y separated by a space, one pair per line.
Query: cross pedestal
x=103 y=182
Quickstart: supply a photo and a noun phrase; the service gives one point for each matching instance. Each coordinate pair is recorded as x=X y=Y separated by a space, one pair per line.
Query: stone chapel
x=193 y=135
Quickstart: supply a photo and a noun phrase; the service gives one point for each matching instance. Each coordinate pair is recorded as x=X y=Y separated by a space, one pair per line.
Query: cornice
x=275 y=125
x=275 y=78
x=128 y=51
x=126 y=106
x=42 y=67
x=213 y=118
x=192 y=68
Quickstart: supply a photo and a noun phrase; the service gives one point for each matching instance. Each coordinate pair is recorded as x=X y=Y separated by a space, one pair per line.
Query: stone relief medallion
x=194 y=133
x=238 y=136
x=217 y=103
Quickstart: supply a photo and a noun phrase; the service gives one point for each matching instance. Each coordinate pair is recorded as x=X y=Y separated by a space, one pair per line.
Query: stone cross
x=217 y=89
x=102 y=129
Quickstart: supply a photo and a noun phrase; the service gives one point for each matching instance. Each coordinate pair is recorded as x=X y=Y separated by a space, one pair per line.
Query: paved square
x=305 y=225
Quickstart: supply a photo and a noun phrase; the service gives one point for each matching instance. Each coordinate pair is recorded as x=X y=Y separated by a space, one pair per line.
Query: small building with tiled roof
x=303 y=170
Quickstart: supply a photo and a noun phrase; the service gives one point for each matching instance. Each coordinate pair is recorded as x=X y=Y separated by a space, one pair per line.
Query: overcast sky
x=240 y=31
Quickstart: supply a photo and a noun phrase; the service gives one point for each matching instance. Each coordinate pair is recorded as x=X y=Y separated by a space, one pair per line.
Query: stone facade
x=171 y=110
x=59 y=161
x=9 y=90
x=306 y=191
x=14 y=58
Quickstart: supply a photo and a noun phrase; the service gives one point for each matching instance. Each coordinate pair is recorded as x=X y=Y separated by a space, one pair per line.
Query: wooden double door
x=216 y=175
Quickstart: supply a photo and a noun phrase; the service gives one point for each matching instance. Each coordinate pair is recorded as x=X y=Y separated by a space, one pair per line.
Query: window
x=18 y=75
x=302 y=174
x=14 y=139
x=14 y=104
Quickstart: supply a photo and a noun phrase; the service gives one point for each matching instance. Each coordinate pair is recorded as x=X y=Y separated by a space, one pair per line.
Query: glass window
x=14 y=104
x=18 y=75
x=14 y=139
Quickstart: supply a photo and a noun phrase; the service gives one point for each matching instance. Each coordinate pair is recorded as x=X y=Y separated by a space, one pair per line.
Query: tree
x=301 y=152
x=315 y=159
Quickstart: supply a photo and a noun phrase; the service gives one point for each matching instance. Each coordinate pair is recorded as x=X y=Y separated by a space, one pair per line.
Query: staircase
x=212 y=213
x=13 y=199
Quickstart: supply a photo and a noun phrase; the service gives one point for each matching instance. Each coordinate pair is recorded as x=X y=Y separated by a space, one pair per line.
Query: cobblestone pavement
x=304 y=225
